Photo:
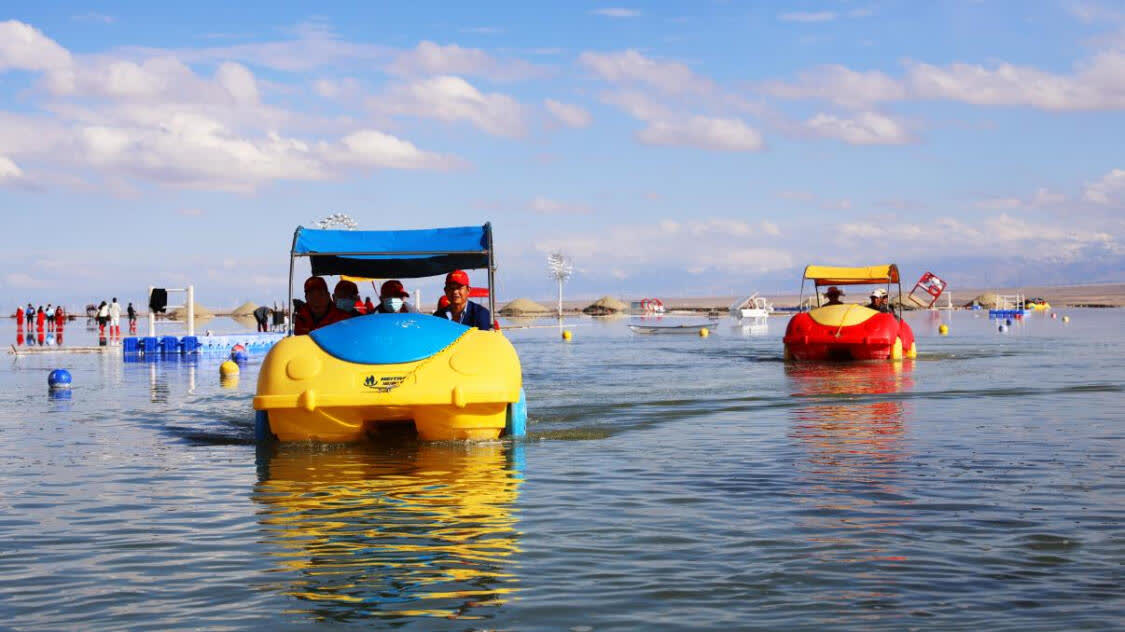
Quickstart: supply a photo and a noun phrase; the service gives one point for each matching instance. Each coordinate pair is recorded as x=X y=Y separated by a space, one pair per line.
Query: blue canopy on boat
x=384 y=254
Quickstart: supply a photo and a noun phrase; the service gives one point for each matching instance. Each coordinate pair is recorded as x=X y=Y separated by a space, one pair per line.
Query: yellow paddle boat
x=349 y=380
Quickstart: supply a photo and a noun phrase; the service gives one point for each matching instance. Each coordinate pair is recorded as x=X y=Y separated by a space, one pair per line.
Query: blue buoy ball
x=59 y=379
x=239 y=356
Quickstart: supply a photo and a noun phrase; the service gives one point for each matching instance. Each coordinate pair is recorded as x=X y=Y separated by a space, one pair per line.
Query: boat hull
x=847 y=333
x=463 y=385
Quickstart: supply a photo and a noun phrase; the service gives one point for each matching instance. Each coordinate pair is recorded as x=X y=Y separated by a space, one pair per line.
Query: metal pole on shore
x=151 y=316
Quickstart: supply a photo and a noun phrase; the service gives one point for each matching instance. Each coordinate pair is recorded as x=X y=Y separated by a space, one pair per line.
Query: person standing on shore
x=115 y=318
x=29 y=314
x=40 y=319
x=262 y=316
x=103 y=318
x=131 y=312
x=19 y=317
x=50 y=314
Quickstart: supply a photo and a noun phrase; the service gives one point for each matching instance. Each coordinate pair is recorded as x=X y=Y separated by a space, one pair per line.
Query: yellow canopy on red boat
x=835 y=275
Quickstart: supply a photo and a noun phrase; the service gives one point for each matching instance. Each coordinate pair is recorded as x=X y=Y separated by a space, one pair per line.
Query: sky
x=668 y=148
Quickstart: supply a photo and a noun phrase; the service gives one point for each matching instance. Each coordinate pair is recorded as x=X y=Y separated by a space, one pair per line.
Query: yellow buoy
x=703 y=333
x=228 y=368
x=566 y=335
x=943 y=329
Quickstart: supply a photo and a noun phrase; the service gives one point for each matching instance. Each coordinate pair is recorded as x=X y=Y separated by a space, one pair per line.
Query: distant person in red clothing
x=40 y=319
x=19 y=318
x=317 y=310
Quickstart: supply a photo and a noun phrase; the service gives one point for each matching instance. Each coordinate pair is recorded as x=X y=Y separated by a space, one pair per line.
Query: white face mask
x=345 y=304
x=393 y=304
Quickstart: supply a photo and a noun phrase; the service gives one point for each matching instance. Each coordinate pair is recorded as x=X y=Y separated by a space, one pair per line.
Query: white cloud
x=666 y=127
x=345 y=88
x=613 y=12
x=632 y=67
x=865 y=128
x=1109 y=190
x=1042 y=198
x=429 y=58
x=567 y=114
x=1097 y=83
x=638 y=105
x=315 y=46
x=840 y=85
x=700 y=245
x=24 y=47
x=548 y=206
x=1001 y=203
x=9 y=170
x=1000 y=236
x=454 y=99
x=21 y=280
x=373 y=148
x=807 y=16
x=838 y=204
x=720 y=134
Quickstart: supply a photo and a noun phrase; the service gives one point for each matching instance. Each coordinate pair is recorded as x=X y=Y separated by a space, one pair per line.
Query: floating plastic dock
x=181 y=345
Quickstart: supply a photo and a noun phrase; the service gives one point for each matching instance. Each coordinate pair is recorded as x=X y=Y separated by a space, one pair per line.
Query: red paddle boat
x=841 y=331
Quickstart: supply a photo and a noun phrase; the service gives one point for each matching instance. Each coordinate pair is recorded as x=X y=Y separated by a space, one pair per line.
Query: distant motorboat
x=752 y=307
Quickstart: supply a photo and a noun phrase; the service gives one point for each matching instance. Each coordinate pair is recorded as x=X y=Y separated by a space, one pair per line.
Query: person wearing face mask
x=392 y=299
x=346 y=298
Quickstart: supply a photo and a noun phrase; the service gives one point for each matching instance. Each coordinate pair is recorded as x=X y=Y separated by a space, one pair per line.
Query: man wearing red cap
x=460 y=310
x=318 y=310
x=392 y=299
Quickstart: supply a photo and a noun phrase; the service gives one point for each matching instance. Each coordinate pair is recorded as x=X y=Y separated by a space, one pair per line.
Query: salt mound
x=180 y=313
x=523 y=306
x=246 y=309
x=604 y=306
x=988 y=300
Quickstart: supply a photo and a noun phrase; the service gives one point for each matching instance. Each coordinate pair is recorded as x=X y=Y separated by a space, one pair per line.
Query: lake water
x=668 y=482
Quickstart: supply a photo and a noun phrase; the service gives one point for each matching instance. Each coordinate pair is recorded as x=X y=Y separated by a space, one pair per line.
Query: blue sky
x=670 y=149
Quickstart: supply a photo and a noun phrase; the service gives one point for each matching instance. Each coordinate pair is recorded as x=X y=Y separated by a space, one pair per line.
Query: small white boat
x=668 y=328
x=752 y=307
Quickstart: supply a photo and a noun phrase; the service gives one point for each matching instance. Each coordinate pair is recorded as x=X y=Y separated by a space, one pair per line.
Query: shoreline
x=1098 y=295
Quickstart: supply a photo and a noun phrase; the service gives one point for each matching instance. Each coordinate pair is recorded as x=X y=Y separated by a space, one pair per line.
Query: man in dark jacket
x=460 y=310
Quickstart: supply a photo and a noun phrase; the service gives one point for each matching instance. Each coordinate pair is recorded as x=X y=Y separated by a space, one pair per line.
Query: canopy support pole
x=491 y=272
x=289 y=305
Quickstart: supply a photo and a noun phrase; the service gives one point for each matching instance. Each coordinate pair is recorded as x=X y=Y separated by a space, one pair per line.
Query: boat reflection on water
x=395 y=532
x=850 y=411
x=850 y=425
